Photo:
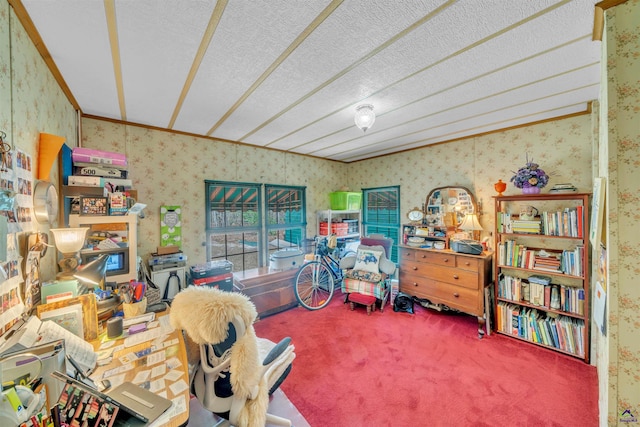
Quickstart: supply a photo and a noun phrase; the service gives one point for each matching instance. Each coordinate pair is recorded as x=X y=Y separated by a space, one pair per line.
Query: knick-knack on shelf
x=500 y=187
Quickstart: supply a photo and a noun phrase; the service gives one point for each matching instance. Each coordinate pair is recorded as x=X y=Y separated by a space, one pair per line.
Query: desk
x=169 y=350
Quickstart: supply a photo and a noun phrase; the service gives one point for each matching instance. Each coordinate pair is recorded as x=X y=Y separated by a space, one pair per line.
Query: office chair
x=369 y=271
x=237 y=371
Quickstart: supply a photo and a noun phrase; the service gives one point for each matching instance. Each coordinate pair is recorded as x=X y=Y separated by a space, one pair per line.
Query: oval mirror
x=447 y=206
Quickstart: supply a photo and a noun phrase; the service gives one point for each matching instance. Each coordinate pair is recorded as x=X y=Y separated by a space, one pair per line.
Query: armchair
x=369 y=271
x=236 y=371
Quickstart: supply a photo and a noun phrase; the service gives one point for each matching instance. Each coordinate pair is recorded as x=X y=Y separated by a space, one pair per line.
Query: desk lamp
x=93 y=273
x=470 y=224
x=69 y=241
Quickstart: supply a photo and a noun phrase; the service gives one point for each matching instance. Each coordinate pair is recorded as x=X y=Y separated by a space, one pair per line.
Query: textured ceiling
x=289 y=74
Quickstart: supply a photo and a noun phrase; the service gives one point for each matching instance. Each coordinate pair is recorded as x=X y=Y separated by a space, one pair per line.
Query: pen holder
x=134 y=309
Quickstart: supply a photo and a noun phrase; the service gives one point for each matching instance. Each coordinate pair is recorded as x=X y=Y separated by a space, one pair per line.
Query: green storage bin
x=345 y=201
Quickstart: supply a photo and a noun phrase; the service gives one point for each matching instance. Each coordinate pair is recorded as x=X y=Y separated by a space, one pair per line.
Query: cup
x=135 y=308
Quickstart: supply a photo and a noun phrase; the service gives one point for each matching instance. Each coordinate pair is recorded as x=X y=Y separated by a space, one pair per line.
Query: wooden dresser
x=445 y=277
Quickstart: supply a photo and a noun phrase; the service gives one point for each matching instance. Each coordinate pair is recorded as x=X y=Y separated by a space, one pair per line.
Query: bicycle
x=316 y=280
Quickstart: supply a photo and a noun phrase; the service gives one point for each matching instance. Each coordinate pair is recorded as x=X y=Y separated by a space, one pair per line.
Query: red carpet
x=398 y=369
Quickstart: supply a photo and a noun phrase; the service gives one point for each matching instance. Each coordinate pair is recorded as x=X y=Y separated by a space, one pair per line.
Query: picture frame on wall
x=94 y=205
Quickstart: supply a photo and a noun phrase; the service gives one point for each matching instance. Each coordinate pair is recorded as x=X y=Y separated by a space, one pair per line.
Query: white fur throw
x=204 y=314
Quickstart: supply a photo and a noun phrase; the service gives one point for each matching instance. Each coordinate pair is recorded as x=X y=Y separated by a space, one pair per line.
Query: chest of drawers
x=446 y=277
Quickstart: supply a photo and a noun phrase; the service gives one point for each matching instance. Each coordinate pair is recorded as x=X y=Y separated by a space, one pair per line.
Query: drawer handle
x=415 y=268
x=423 y=256
x=415 y=284
x=446 y=260
x=455 y=294
x=467 y=263
x=455 y=276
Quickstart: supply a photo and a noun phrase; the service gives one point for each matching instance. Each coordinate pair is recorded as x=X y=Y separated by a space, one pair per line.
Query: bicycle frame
x=323 y=256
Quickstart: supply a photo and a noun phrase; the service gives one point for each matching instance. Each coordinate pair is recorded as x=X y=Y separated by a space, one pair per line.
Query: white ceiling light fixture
x=365 y=117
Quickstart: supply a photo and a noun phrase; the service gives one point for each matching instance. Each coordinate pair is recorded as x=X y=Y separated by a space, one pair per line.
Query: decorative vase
x=500 y=187
x=530 y=190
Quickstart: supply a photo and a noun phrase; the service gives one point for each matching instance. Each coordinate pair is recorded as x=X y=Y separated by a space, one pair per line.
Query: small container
x=134 y=309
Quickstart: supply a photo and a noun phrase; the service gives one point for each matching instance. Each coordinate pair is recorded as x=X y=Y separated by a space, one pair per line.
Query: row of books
x=562 y=332
x=568 y=261
x=567 y=223
x=539 y=291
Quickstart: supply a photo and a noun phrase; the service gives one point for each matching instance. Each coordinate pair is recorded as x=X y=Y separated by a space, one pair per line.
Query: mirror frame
x=459 y=206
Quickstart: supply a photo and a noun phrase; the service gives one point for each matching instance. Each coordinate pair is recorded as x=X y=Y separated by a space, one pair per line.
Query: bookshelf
x=542 y=270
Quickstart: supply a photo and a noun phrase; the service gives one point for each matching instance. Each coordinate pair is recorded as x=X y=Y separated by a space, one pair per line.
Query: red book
x=580 y=222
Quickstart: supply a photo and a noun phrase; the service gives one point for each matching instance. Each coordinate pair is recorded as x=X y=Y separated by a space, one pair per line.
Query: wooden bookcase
x=554 y=315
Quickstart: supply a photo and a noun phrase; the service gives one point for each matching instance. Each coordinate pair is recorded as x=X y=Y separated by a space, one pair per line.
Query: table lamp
x=69 y=241
x=94 y=272
x=470 y=224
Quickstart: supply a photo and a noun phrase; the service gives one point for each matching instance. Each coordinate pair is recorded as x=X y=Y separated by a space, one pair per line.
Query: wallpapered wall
x=563 y=148
x=31 y=102
x=619 y=162
x=170 y=169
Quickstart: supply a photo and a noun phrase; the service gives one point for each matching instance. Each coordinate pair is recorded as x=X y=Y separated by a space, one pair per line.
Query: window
x=381 y=214
x=244 y=230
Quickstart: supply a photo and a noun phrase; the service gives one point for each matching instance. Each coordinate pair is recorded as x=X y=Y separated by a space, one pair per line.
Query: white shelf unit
x=131 y=222
x=329 y=215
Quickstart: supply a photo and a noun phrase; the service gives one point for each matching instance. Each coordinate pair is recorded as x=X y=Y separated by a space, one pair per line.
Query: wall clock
x=45 y=202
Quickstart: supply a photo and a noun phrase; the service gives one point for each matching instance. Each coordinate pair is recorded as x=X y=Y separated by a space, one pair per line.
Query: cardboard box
x=166 y=250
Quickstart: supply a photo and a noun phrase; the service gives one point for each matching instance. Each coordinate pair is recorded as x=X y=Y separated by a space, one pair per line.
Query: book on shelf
x=526 y=226
x=563 y=188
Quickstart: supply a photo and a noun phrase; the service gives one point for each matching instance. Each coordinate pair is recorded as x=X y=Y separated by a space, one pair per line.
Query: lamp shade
x=93 y=273
x=47 y=153
x=69 y=240
x=470 y=223
x=365 y=117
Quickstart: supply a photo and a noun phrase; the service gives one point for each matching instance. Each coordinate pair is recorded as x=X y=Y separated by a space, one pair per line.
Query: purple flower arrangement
x=530 y=175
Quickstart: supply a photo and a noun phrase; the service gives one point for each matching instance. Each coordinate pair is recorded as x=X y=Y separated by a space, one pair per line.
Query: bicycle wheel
x=314 y=285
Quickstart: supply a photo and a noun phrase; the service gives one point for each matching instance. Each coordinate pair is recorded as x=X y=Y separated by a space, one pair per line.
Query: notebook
x=127 y=401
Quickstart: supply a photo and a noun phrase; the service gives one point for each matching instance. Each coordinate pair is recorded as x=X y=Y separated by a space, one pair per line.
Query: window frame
x=262 y=227
x=389 y=229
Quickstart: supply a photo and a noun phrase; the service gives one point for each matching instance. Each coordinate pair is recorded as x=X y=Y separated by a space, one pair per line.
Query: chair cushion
x=365 y=275
x=367 y=260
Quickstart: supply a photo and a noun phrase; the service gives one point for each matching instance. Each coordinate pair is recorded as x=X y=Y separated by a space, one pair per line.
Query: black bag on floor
x=403 y=303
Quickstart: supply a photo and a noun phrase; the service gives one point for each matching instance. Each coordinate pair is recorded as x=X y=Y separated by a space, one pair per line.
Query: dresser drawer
x=458 y=277
x=457 y=297
x=455 y=276
x=407 y=255
x=467 y=263
x=436 y=258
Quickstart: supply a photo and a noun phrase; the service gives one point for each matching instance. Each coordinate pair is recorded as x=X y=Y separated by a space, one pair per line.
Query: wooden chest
x=446 y=277
x=271 y=292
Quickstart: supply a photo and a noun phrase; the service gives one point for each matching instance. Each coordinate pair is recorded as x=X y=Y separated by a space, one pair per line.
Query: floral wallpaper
x=620 y=165
x=563 y=148
x=31 y=102
x=170 y=169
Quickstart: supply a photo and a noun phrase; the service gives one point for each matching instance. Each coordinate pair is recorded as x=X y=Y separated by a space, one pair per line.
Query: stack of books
x=523 y=226
x=563 y=188
x=97 y=168
x=546 y=261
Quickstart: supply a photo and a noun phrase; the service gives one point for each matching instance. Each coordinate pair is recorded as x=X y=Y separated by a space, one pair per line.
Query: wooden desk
x=173 y=347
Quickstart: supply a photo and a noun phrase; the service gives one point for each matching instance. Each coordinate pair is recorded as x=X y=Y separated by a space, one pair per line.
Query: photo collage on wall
x=16 y=205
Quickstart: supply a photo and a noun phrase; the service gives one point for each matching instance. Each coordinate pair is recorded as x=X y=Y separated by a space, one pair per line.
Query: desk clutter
x=137 y=352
